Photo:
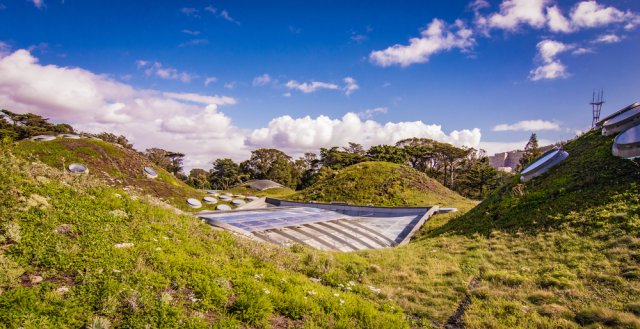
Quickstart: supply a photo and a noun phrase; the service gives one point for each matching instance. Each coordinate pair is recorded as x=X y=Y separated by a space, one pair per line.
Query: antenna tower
x=596 y=106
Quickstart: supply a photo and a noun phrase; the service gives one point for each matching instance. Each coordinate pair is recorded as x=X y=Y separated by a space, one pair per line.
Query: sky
x=216 y=79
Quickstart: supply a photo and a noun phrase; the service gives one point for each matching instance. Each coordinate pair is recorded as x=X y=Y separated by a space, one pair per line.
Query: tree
x=388 y=153
x=199 y=178
x=479 y=179
x=336 y=159
x=112 y=138
x=225 y=173
x=531 y=152
x=28 y=125
x=308 y=165
x=170 y=161
x=271 y=164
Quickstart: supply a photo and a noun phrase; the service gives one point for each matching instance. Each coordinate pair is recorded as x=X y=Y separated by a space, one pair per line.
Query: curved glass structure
x=150 y=172
x=77 y=168
x=627 y=144
x=624 y=120
x=543 y=163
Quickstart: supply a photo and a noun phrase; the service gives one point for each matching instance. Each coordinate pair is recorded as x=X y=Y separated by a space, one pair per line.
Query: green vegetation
x=381 y=184
x=116 y=165
x=278 y=193
x=77 y=253
x=100 y=250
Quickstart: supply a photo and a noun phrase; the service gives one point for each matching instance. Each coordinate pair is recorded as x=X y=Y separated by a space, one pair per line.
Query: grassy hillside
x=117 y=166
x=561 y=251
x=381 y=184
x=75 y=252
x=280 y=192
x=590 y=181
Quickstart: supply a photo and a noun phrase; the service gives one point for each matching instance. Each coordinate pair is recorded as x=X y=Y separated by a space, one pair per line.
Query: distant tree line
x=465 y=170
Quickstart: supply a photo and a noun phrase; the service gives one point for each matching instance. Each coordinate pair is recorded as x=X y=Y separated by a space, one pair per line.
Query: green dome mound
x=589 y=189
x=115 y=165
x=380 y=184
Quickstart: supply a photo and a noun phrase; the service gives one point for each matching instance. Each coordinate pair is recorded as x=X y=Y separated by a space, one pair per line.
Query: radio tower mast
x=596 y=106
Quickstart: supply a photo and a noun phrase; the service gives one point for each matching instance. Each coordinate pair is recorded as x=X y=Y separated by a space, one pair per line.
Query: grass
x=381 y=184
x=561 y=251
x=280 y=192
x=76 y=253
x=114 y=165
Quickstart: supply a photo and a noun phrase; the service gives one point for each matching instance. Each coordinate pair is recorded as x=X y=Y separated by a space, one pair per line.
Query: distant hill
x=113 y=164
x=590 y=179
x=380 y=184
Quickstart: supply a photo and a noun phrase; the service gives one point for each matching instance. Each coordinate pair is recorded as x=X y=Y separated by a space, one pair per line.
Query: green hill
x=76 y=252
x=380 y=184
x=579 y=192
x=117 y=166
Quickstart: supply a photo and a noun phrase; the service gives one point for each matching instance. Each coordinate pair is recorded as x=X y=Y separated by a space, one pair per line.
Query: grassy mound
x=381 y=184
x=75 y=252
x=115 y=165
x=580 y=191
x=279 y=192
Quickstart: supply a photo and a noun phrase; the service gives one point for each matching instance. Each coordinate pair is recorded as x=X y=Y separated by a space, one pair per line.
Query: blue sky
x=468 y=77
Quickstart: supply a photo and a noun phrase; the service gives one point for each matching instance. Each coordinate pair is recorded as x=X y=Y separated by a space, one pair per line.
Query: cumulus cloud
x=310 y=87
x=262 y=80
x=528 y=125
x=190 y=123
x=608 y=38
x=513 y=13
x=551 y=67
x=591 y=14
x=437 y=37
x=167 y=73
x=540 y=13
x=296 y=135
x=186 y=122
x=557 y=21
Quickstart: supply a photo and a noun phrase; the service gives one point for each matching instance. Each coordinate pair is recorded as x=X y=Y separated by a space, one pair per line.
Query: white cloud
x=201 y=99
x=591 y=14
x=310 y=87
x=537 y=14
x=167 y=73
x=528 y=125
x=369 y=113
x=551 y=67
x=437 y=37
x=5 y=49
x=287 y=94
x=513 y=13
x=211 y=9
x=350 y=85
x=189 y=32
x=38 y=3
x=581 y=51
x=262 y=80
x=95 y=103
x=230 y=85
x=305 y=134
x=209 y=80
x=608 y=38
x=225 y=14
x=194 y=42
x=557 y=21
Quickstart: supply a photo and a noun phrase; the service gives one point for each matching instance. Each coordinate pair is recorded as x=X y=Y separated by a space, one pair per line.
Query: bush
x=252 y=305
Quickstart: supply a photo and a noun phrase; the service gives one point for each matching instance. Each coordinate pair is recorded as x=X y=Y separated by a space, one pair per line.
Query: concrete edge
x=425 y=217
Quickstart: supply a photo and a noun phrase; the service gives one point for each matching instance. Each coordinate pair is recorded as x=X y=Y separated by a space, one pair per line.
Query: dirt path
x=455 y=321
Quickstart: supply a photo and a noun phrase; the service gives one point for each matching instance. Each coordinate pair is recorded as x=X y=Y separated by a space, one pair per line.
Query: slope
x=381 y=184
x=75 y=252
x=587 y=181
x=113 y=164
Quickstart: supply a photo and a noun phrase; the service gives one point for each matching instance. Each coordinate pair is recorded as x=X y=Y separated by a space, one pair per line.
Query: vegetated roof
x=380 y=184
x=262 y=184
x=117 y=166
x=588 y=179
